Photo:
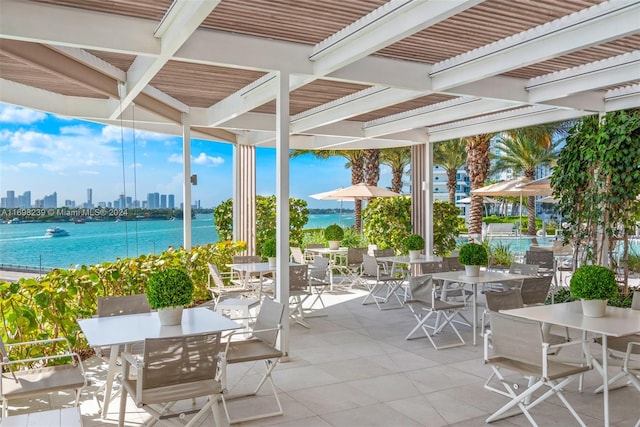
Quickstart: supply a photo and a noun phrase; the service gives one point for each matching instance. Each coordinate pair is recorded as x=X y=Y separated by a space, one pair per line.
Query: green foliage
x=413 y=242
x=269 y=248
x=501 y=253
x=50 y=306
x=265 y=220
x=171 y=287
x=473 y=254
x=634 y=263
x=446 y=227
x=594 y=282
x=333 y=232
x=354 y=239
x=387 y=221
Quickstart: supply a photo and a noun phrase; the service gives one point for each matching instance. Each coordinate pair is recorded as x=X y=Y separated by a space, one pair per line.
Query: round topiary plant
x=333 y=232
x=594 y=282
x=269 y=248
x=473 y=254
x=413 y=242
x=171 y=287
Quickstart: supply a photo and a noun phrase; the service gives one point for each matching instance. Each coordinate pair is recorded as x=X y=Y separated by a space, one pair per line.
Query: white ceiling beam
x=520 y=118
x=608 y=72
x=180 y=21
x=623 y=98
x=588 y=27
x=384 y=26
x=366 y=100
x=446 y=111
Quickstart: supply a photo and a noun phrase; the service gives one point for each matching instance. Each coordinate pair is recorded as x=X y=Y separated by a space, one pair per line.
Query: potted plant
x=168 y=291
x=334 y=233
x=269 y=251
x=413 y=243
x=594 y=285
x=472 y=256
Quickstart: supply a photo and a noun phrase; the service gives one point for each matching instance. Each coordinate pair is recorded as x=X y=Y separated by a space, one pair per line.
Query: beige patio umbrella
x=360 y=191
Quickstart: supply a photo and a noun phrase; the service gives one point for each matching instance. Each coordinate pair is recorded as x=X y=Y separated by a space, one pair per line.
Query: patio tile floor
x=354 y=368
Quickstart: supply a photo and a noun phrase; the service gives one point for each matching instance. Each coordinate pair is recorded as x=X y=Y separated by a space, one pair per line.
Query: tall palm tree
x=397 y=159
x=523 y=150
x=371 y=166
x=478 y=168
x=450 y=155
x=355 y=161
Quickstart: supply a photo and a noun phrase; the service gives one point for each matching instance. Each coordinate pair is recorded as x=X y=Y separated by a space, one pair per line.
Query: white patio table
x=246 y=270
x=484 y=277
x=413 y=263
x=128 y=329
x=617 y=322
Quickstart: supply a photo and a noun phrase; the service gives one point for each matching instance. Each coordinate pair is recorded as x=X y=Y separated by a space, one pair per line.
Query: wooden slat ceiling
x=423 y=101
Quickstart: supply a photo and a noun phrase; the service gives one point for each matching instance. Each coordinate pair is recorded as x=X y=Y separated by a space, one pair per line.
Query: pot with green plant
x=594 y=285
x=168 y=291
x=334 y=233
x=269 y=251
x=473 y=256
x=413 y=243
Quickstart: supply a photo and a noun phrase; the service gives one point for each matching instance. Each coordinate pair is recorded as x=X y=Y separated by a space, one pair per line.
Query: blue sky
x=46 y=153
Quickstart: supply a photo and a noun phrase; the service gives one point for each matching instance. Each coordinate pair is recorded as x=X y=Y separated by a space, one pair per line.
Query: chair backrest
x=635 y=302
x=544 y=259
x=421 y=288
x=120 y=305
x=297 y=255
x=215 y=276
x=526 y=269
x=319 y=269
x=383 y=252
x=517 y=339
x=560 y=249
x=371 y=249
x=452 y=263
x=269 y=317
x=354 y=255
x=179 y=360
x=431 y=267
x=504 y=300
x=535 y=290
x=369 y=265
x=314 y=245
x=298 y=277
x=246 y=259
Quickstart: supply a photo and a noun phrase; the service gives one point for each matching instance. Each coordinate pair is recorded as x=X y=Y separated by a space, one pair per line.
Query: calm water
x=96 y=242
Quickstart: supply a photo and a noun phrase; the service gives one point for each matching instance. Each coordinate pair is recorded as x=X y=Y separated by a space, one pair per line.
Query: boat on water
x=79 y=221
x=56 y=232
x=14 y=221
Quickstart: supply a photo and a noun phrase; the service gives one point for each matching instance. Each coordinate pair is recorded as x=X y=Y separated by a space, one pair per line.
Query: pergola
x=308 y=74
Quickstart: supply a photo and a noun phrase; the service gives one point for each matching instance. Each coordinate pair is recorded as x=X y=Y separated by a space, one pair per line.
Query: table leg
x=111 y=374
x=605 y=380
x=474 y=288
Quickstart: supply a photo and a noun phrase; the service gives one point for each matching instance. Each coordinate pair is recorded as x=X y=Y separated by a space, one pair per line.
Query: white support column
x=186 y=184
x=428 y=197
x=282 y=202
x=244 y=194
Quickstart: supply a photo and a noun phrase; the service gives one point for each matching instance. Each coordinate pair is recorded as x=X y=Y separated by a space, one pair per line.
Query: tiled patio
x=354 y=368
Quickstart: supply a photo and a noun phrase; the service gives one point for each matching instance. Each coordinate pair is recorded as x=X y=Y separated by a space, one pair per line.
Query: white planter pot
x=413 y=255
x=170 y=316
x=334 y=244
x=272 y=261
x=594 y=307
x=472 y=270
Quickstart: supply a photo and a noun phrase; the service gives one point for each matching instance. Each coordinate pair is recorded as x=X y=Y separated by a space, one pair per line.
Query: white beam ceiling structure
x=369 y=83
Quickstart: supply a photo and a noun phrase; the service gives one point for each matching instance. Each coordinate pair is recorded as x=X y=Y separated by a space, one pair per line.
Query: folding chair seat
x=518 y=346
x=34 y=375
x=220 y=291
x=298 y=292
x=424 y=303
x=381 y=286
x=171 y=370
x=352 y=268
x=319 y=278
x=261 y=345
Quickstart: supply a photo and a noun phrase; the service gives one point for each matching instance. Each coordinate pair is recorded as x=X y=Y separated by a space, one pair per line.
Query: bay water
x=24 y=245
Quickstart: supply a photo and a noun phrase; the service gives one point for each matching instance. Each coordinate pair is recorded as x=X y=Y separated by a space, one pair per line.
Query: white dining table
x=617 y=322
x=115 y=331
x=474 y=281
x=246 y=270
x=405 y=259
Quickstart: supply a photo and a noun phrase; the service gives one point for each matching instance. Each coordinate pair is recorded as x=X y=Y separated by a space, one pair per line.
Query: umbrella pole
x=520 y=227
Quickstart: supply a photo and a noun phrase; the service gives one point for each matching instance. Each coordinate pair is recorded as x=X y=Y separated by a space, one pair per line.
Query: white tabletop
x=131 y=328
x=324 y=251
x=404 y=259
x=484 y=277
x=256 y=267
x=618 y=321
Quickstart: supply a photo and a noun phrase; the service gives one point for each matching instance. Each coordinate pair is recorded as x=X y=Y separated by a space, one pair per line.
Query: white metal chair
x=319 y=278
x=298 y=292
x=247 y=280
x=518 y=346
x=171 y=370
x=220 y=291
x=297 y=255
x=31 y=376
x=260 y=346
x=381 y=285
x=424 y=303
x=310 y=254
x=352 y=268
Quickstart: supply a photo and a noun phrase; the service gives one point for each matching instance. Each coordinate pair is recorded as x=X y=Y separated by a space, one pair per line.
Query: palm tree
x=523 y=150
x=397 y=159
x=355 y=161
x=371 y=166
x=450 y=155
x=478 y=168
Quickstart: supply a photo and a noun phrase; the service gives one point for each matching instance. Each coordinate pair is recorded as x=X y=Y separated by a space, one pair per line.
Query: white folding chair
x=298 y=292
x=381 y=286
x=352 y=268
x=220 y=291
x=319 y=278
x=297 y=255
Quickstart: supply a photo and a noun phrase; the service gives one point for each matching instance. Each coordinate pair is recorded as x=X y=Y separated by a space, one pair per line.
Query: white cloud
x=175 y=158
x=88 y=172
x=206 y=160
x=17 y=115
x=5 y=167
x=76 y=130
x=135 y=165
x=27 y=165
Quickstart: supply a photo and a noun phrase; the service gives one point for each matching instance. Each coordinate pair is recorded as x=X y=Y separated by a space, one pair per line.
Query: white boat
x=14 y=221
x=56 y=232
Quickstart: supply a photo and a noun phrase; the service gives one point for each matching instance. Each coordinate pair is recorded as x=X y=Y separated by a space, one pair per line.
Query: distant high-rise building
x=24 y=201
x=50 y=201
x=129 y=202
x=163 y=201
x=69 y=204
x=150 y=201
x=11 y=199
x=172 y=201
x=89 y=198
x=156 y=200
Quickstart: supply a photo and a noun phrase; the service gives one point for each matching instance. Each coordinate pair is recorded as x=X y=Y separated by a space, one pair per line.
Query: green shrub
x=446 y=227
x=169 y=288
x=594 y=282
x=473 y=254
x=333 y=232
x=501 y=254
x=269 y=248
x=413 y=242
